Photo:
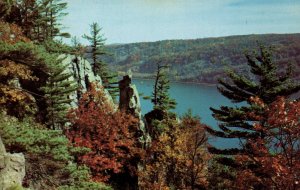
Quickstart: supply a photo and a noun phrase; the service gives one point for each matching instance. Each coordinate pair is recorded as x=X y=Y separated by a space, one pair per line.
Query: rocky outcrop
x=83 y=75
x=12 y=168
x=129 y=100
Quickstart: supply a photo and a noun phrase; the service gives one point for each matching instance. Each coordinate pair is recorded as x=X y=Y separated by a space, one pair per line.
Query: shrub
x=48 y=155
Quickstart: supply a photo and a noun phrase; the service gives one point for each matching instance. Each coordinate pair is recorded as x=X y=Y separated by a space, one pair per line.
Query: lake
x=197 y=97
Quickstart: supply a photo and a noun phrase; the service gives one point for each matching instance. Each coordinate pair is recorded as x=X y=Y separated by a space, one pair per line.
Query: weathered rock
x=129 y=100
x=2 y=148
x=82 y=73
x=12 y=168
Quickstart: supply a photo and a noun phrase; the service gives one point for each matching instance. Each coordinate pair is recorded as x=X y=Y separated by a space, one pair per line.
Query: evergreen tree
x=97 y=40
x=97 y=49
x=50 y=162
x=55 y=13
x=269 y=82
x=77 y=48
x=39 y=19
x=78 y=51
x=160 y=96
x=57 y=91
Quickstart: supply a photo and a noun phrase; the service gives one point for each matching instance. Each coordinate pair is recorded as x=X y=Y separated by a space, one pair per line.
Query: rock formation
x=129 y=100
x=83 y=75
x=12 y=168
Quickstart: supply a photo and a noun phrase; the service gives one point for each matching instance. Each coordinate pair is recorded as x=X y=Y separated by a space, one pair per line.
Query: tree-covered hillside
x=201 y=60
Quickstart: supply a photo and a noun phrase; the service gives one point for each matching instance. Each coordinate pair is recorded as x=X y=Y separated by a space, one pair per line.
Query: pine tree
x=40 y=20
x=160 y=96
x=50 y=13
x=97 y=40
x=77 y=48
x=78 y=51
x=236 y=122
x=57 y=91
x=56 y=8
x=97 y=48
x=162 y=103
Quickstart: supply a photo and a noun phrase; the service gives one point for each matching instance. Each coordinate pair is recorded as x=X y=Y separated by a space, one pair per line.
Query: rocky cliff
x=82 y=73
x=12 y=166
x=128 y=97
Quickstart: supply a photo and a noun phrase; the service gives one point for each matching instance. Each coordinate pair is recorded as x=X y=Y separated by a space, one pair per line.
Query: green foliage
x=48 y=155
x=52 y=81
x=220 y=176
x=256 y=92
x=39 y=19
x=54 y=46
x=81 y=181
x=77 y=48
x=16 y=187
x=39 y=75
x=57 y=90
x=55 y=12
x=29 y=137
x=160 y=96
x=265 y=84
x=162 y=103
x=97 y=50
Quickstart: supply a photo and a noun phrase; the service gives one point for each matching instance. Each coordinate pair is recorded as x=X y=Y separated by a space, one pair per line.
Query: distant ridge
x=201 y=60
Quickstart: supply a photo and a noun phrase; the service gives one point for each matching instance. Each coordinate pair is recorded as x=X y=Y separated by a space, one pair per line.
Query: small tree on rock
x=99 y=67
x=160 y=97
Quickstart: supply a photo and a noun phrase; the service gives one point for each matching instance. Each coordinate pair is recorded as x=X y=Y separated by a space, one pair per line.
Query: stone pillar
x=129 y=100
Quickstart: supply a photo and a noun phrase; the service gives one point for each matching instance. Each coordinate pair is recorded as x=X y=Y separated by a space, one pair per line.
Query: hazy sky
x=125 y=21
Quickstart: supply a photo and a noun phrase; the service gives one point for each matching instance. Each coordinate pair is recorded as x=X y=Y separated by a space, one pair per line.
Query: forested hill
x=201 y=60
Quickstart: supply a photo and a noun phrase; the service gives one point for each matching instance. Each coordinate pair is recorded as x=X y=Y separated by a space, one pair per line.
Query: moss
x=16 y=187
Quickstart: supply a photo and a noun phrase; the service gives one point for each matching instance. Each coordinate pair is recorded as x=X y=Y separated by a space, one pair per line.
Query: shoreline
x=179 y=82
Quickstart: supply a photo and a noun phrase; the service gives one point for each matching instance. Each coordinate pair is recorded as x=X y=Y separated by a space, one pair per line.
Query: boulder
x=12 y=168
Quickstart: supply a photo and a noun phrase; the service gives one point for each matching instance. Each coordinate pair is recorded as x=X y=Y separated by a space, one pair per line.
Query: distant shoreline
x=180 y=82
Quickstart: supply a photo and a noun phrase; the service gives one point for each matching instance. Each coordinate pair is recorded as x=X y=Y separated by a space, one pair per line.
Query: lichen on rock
x=12 y=168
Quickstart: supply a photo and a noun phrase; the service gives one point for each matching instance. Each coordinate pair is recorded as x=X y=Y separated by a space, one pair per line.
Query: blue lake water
x=197 y=97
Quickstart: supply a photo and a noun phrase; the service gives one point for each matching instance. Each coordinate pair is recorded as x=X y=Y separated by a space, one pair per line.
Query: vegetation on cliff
x=74 y=138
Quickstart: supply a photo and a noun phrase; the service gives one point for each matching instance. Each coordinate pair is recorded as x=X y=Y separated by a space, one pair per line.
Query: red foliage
x=276 y=155
x=109 y=134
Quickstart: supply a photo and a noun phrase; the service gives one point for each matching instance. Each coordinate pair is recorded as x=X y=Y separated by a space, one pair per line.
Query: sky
x=128 y=21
